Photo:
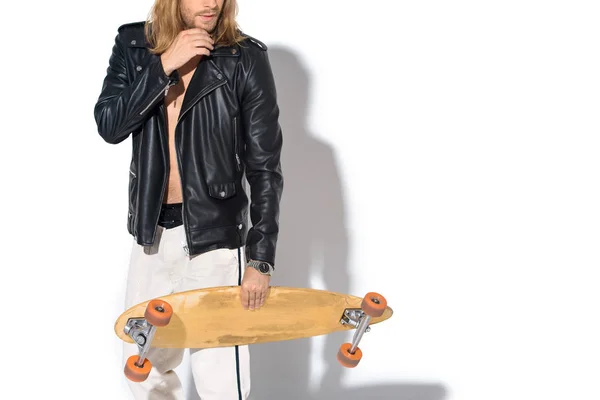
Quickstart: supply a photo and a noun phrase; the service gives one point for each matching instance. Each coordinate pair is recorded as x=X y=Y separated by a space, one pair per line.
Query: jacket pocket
x=222 y=190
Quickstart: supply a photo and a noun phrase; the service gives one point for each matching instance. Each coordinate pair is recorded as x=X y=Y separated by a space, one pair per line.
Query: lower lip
x=207 y=17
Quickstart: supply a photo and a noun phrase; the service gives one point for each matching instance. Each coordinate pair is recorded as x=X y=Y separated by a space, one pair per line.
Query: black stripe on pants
x=237 y=352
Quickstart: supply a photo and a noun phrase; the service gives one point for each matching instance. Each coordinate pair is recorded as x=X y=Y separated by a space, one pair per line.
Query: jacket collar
x=208 y=76
x=138 y=40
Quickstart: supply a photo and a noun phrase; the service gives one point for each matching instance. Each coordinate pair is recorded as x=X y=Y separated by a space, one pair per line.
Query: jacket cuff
x=253 y=254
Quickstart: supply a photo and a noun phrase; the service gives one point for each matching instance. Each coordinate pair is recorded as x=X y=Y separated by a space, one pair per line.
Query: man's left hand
x=254 y=289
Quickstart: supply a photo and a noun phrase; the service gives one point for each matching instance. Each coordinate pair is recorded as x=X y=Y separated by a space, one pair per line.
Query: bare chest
x=173 y=102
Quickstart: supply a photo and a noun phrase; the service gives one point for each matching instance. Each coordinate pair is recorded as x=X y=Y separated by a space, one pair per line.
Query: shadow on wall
x=313 y=243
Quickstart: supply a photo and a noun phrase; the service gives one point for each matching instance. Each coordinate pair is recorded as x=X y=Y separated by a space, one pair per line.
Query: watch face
x=264 y=268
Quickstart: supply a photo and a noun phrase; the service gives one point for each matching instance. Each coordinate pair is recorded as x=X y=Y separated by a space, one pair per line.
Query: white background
x=444 y=154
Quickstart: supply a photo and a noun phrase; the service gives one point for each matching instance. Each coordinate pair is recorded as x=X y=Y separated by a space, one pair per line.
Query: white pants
x=218 y=373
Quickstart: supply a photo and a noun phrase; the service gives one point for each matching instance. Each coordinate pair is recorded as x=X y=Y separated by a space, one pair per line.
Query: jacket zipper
x=181 y=114
x=162 y=92
x=165 y=176
x=200 y=95
x=235 y=145
x=185 y=224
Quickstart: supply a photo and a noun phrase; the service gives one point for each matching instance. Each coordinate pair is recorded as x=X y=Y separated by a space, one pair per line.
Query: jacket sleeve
x=122 y=106
x=260 y=114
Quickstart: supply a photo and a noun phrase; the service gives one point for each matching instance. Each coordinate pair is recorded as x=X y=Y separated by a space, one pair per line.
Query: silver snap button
x=219 y=76
x=222 y=194
x=240 y=226
x=133 y=42
x=138 y=68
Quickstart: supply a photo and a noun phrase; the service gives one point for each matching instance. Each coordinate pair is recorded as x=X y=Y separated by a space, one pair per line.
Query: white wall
x=455 y=171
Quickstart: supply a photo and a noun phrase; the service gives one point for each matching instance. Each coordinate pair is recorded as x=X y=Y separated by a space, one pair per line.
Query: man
x=198 y=99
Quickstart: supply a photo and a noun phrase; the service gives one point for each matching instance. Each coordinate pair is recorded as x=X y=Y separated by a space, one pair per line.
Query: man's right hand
x=188 y=44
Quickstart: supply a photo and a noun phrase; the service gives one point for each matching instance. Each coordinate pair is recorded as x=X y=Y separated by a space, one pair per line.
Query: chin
x=209 y=28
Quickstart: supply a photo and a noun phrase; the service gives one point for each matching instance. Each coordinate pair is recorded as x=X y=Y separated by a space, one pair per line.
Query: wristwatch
x=261 y=266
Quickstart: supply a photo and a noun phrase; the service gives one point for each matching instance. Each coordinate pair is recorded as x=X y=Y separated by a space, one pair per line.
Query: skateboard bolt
x=140 y=339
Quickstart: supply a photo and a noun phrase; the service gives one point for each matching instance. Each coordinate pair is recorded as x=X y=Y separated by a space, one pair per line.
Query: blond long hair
x=165 y=22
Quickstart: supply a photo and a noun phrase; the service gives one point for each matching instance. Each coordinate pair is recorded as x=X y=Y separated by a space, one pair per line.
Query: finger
x=253 y=300
x=263 y=297
x=202 y=43
x=201 y=51
x=195 y=31
x=198 y=35
x=245 y=298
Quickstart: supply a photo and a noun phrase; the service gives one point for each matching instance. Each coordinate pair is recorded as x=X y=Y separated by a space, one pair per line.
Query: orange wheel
x=135 y=373
x=374 y=304
x=347 y=359
x=158 y=312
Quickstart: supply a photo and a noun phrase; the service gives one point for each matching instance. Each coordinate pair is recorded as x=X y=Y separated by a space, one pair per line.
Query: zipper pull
x=171 y=83
x=238 y=163
x=185 y=247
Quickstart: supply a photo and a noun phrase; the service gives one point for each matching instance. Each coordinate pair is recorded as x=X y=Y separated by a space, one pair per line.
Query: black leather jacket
x=228 y=128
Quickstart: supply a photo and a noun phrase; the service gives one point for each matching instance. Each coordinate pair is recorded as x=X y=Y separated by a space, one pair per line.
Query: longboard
x=214 y=317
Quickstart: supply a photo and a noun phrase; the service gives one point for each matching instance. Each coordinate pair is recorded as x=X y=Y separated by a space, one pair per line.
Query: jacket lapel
x=207 y=77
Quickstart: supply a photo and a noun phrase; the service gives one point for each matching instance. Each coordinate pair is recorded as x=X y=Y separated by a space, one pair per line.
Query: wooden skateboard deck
x=214 y=317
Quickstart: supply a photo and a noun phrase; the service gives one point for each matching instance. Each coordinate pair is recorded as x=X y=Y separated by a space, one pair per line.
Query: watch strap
x=261 y=266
